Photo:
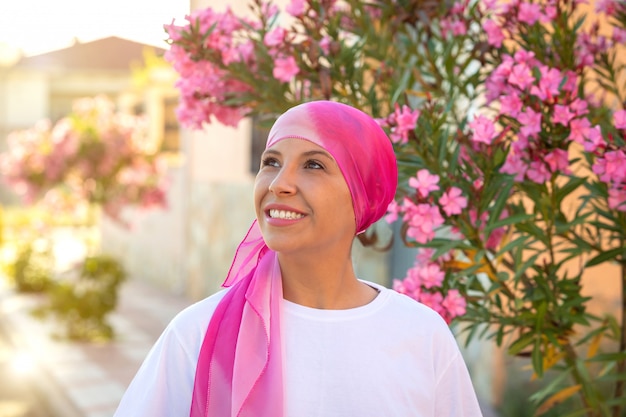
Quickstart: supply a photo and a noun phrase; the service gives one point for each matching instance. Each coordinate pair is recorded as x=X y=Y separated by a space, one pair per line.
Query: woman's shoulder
x=408 y=311
x=198 y=314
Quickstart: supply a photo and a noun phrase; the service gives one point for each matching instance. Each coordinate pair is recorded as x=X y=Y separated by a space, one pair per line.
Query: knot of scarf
x=240 y=366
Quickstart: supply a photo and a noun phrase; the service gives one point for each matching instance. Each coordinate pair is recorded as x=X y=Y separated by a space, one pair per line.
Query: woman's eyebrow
x=271 y=151
x=315 y=152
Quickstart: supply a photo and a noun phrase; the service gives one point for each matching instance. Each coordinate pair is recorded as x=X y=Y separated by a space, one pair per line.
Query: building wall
x=26 y=100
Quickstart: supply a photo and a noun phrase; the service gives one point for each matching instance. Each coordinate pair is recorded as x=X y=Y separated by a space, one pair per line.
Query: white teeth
x=282 y=214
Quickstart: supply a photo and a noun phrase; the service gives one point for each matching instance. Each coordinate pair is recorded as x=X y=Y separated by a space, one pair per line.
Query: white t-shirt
x=393 y=357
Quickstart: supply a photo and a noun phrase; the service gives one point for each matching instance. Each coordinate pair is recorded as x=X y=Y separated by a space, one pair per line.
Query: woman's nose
x=284 y=182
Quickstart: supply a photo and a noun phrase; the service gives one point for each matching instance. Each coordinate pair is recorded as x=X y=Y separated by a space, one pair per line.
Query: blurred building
x=44 y=86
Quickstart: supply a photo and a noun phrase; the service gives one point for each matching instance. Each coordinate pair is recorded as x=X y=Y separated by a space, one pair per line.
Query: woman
x=296 y=333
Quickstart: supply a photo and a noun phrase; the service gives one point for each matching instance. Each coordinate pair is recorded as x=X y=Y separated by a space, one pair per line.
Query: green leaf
x=527 y=264
x=520 y=242
x=522 y=342
x=605 y=256
x=514 y=219
x=607 y=357
x=554 y=386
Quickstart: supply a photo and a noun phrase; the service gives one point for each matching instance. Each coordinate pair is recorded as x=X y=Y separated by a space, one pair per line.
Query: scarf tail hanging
x=239 y=371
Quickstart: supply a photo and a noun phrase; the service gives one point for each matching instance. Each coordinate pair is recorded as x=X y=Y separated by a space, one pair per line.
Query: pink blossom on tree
x=495 y=36
x=285 y=69
x=424 y=182
x=511 y=104
x=562 y=115
x=423 y=220
x=611 y=168
x=579 y=106
x=521 y=76
x=538 y=172
x=529 y=13
x=452 y=201
x=275 y=37
x=514 y=165
x=454 y=305
x=558 y=161
x=296 y=8
x=483 y=130
x=549 y=83
x=617 y=199
x=392 y=212
x=579 y=130
x=431 y=275
x=405 y=120
x=530 y=121
x=619 y=119
x=619 y=35
x=432 y=300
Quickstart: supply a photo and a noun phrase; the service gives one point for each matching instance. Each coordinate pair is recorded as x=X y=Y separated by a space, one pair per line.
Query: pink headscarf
x=240 y=367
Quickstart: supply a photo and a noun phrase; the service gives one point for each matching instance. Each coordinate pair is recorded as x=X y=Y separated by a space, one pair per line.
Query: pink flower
x=274 y=37
x=459 y=28
x=431 y=275
x=529 y=13
x=495 y=36
x=549 y=15
x=579 y=106
x=454 y=304
x=617 y=199
x=514 y=165
x=406 y=120
x=549 y=83
x=432 y=300
x=594 y=139
x=510 y=104
x=325 y=44
x=606 y=6
x=452 y=201
x=522 y=56
x=612 y=167
x=296 y=8
x=619 y=119
x=392 y=212
x=579 y=129
x=558 y=160
x=424 y=256
x=424 y=182
x=521 y=76
x=562 y=115
x=619 y=35
x=530 y=121
x=571 y=81
x=285 y=69
x=483 y=130
x=538 y=172
x=422 y=220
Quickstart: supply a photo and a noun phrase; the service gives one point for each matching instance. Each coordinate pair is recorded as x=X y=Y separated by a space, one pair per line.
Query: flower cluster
x=94 y=155
x=424 y=283
x=204 y=86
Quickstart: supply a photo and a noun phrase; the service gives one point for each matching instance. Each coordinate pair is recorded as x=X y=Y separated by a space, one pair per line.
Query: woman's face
x=302 y=200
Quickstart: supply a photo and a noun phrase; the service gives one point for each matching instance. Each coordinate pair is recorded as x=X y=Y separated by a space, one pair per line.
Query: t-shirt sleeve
x=455 y=395
x=163 y=384
x=162 y=387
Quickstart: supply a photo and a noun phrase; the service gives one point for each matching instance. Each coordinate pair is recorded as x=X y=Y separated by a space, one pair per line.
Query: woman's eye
x=269 y=162
x=313 y=165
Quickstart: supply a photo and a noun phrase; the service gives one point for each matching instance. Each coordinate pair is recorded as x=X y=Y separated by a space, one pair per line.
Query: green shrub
x=83 y=298
x=32 y=268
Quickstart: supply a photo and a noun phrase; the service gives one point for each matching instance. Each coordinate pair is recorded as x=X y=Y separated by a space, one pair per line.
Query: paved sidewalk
x=88 y=380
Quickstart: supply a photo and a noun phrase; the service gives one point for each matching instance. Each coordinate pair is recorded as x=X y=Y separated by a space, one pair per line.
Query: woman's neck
x=324 y=284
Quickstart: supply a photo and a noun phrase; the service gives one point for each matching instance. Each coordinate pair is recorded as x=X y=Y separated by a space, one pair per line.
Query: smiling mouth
x=283 y=214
